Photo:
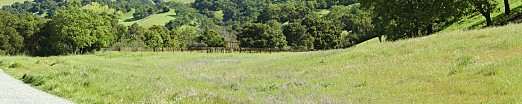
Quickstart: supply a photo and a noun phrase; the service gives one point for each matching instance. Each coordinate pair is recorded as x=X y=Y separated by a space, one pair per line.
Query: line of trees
x=413 y=18
x=77 y=27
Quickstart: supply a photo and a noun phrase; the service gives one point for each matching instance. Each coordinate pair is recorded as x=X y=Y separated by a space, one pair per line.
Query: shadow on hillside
x=502 y=19
x=173 y=16
x=479 y=24
x=445 y=24
x=514 y=17
x=131 y=19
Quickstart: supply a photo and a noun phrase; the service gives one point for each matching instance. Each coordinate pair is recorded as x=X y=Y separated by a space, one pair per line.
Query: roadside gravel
x=13 y=91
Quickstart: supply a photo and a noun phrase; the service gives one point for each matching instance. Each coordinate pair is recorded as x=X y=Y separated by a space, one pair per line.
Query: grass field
x=476 y=20
x=478 y=66
x=9 y=2
x=155 y=19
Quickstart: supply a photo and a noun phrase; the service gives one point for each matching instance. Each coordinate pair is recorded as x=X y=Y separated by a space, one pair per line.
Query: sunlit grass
x=155 y=19
x=479 y=66
x=476 y=20
x=9 y=2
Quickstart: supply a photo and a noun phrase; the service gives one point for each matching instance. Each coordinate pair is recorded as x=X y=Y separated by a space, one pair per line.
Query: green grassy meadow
x=475 y=66
x=476 y=20
x=155 y=19
x=9 y=2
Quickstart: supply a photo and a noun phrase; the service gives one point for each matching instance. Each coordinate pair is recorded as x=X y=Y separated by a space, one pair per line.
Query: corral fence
x=205 y=50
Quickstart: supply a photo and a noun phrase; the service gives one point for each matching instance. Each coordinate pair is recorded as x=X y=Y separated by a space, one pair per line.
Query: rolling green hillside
x=476 y=20
x=476 y=66
x=155 y=19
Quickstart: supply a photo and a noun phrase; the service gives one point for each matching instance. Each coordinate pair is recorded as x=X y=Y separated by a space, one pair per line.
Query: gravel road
x=14 y=91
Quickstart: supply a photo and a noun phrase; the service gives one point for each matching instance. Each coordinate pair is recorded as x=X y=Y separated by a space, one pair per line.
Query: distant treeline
x=59 y=27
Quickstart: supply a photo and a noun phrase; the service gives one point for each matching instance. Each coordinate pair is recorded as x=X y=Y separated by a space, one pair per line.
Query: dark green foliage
x=255 y=24
x=241 y=11
x=32 y=79
x=212 y=39
x=326 y=33
x=256 y=35
x=169 y=39
x=176 y=23
x=18 y=31
x=356 y=21
x=412 y=18
x=206 y=5
x=119 y=31
x=29 y=27
x=10 y=40
x=74 y=30
x=153 y=39
x=485 y=8
x=187 y=36
x=284 y=12
x=143 y=12
x=297 y=37
x=136 y=32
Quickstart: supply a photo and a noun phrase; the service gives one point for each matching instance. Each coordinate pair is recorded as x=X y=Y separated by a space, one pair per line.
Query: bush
x=16 y=65
x=257 y=35
x=2 y=52
x=195 y=44
x=212 y=39
x=118 y=46
x=31 y=79
x=2 y=63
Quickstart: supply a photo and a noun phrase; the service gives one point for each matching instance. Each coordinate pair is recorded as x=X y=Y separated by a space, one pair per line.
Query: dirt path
x=14 y=91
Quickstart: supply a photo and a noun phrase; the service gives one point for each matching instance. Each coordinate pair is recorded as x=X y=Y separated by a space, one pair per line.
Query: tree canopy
x=75 y=30
x=257 y=35
x=59 y=27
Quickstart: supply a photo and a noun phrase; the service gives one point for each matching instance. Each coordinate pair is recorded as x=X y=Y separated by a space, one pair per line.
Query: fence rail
x=204 y=50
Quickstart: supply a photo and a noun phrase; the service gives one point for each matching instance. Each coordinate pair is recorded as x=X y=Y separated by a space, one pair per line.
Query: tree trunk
x=488 y=19
x=415 y=31
x=429 y=29
x=487 y=15
x=506 y=6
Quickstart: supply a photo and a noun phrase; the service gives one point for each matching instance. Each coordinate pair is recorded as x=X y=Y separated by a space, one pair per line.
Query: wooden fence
x=205 y=50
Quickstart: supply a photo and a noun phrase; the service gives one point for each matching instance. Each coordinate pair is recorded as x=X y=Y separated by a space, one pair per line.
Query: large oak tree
x=75 y=30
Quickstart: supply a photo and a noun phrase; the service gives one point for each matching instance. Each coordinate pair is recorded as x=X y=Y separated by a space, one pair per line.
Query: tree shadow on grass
x=132 y=19
x=502 y=19
x=175 y=16
x=514 y=17
x=460 y=20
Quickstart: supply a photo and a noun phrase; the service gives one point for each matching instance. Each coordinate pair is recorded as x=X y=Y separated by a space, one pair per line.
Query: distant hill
x=155 y=19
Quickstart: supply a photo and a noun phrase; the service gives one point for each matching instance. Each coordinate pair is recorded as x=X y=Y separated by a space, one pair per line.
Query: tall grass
x=479 y=66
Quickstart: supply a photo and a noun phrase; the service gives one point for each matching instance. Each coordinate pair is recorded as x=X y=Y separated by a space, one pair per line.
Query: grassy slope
x=477 y=21
x=155 y=19
x=9 y=2
x=479 y=66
